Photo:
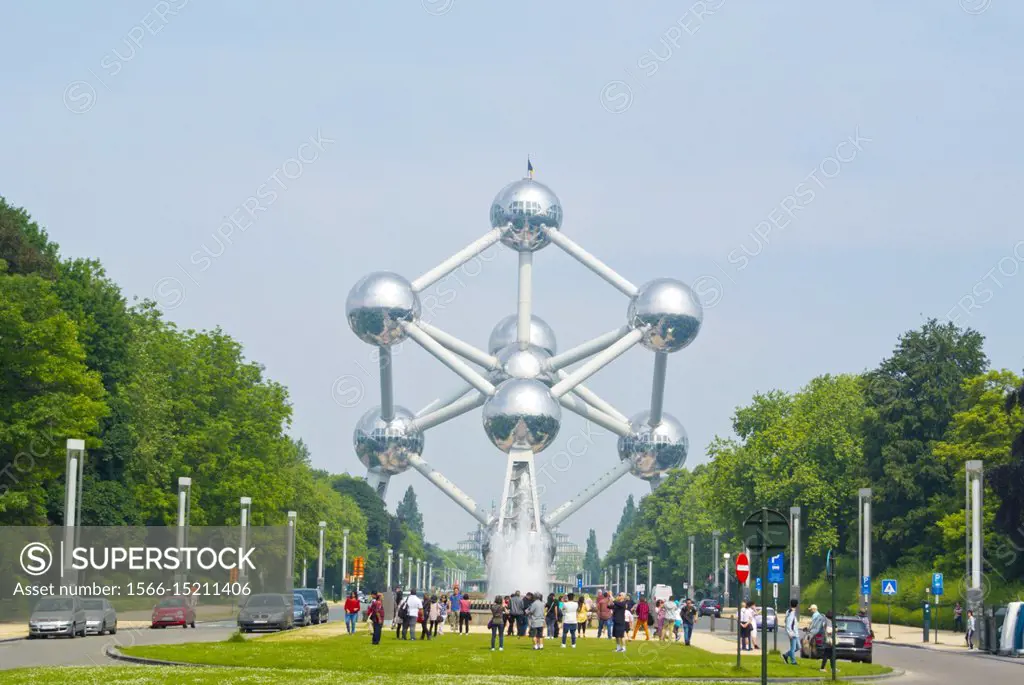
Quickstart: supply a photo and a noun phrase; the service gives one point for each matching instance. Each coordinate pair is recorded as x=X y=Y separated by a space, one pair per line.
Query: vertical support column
x=634 y=578
x=693 y=541
x=409 y=572
x=305 y=573
x=289 y=573
x=244 y=517
x=725 y=577
x=73 y=469
x=391 y=554
x=794 y=545
x=525 y=299
x=865 y=495
x=715 y=536
x=184 y=506
x=650 y=575
x=320 y=558
x=618 y=582
x=387 y=394
x=344 y=561
x=378 y=480
x=976 y=538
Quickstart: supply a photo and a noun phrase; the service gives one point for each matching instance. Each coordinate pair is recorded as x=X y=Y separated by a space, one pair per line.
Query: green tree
x=591 y=558
x=1007 y=479
x=408 y=512
x=24 y=246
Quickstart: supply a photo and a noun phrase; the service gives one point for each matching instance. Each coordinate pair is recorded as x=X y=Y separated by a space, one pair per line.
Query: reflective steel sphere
x=517 y=363
x=506 y=333
x=522 y=414
x=653 y=451
x=668 y=313
x=525 y=209
x=378 y=304
x=387 y=444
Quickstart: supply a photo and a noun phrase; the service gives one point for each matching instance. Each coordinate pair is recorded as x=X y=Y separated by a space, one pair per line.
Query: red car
x=174 y=611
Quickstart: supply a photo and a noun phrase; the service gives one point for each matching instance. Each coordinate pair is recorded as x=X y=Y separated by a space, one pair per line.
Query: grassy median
x=471 y=655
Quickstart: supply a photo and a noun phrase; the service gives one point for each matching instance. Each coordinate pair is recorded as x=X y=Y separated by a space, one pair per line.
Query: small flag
x=529 y=167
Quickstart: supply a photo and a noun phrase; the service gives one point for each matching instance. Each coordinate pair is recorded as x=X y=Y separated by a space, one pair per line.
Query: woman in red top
x=351 y=612
x=642 y=618
x=464 y=614
x=376 y=615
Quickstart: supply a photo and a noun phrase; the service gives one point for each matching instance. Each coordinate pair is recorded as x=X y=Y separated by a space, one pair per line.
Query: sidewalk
x=914 y=637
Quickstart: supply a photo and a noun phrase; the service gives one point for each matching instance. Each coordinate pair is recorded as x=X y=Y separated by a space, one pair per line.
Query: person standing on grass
x=643 y=613
x=604 y=614
x=443 y=608
x=659 y=618
x=351 y=612
x=464 y=614
x=582 y=617
x=413 y=607
x=551 y=616
x=456 y=598
x=497 y=623
x=570 y=611
x=688 y=616
x=517 y=612
x=398 y=619
x=793 y=632
x=970 y=630
x=535 y=614
x=433 y=617
x=376 y=616
x=619 y=612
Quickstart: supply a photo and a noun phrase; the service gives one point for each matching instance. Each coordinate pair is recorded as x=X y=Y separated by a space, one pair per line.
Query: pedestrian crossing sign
x=889 y=588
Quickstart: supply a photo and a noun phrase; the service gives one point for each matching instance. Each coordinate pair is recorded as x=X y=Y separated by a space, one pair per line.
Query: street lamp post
x=650 y=575
x=243 y=530
x=725 y=557
x=401 y=559
x=73 y=496
x=184 y=511
x=320 y=558
x=634 y=576
x=794 y=527
x=290 y=562
x=344 y=561
x=391 y=553
x=715 y=535
x=692 y=547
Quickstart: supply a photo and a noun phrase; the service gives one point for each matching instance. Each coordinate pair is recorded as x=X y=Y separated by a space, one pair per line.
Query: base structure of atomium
x=521 y=380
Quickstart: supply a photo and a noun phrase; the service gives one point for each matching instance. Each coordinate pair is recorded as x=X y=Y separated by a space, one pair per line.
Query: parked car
x=173 y=611
x=768 y=612
x=319 y=611
x=57 y=616
x=854 y=641
x=269 y=611
x=100 y=616
x=301 y=615
x=709 y=607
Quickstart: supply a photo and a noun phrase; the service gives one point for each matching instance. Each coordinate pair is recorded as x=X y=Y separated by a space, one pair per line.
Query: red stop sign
x=742 y=567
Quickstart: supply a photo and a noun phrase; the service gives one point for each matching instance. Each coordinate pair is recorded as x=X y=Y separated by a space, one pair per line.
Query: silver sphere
x=522 y=414
x=524 y=209
x=387 y=445
x=378 y=305
x=505 y=333
x=517 y=363
x=653 y=451
x=668 y=313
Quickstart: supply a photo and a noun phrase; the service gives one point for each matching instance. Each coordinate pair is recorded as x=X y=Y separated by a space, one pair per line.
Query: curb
x=114 y=653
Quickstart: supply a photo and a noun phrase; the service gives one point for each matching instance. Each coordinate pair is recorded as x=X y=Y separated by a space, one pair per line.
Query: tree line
x=155 y=402
x=904 y=429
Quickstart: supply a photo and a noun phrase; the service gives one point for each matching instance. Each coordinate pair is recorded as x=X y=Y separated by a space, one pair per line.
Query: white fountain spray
x=519 y=554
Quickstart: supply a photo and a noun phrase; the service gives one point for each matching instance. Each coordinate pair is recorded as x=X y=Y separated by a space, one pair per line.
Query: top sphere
x=668 y=313
x=377 y=306
x=506 y=332
x=522 y=414
x=524 y=209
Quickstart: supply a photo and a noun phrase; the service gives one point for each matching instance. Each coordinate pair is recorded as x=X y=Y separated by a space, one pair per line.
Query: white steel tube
x=578 y=406
x=448 y=412
x=445 y=399
x=596 y=363
x=459 y=347
x=658 y=388
x=585 y=349
x=387 y=392
x=689 y=592
x=590 y=492
x=592 y=398
x=320 y=558
x=525 y=305
x=795 y=514
x=448 y=359
x=977 y=536
x=591 y=262
x=456 y=260
x=449 y=488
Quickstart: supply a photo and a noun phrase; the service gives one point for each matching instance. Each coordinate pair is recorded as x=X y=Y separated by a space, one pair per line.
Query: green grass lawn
x=471 y=655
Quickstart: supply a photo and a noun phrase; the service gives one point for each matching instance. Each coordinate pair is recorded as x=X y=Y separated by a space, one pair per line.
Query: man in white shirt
x=569 y=609
x=413 y=604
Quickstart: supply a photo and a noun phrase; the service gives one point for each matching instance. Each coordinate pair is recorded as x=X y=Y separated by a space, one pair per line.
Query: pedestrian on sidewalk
x=570 y=613
x=659 y=617
x=688 y=616
x=970 y=629
x=958 y=618
x=755 y=611
x=643 y=615
x=793 y=632
x=746 y=627
x=826 y=642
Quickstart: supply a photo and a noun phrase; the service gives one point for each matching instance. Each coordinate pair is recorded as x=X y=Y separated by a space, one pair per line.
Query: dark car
x=709 y=607
x=854 y=640
x=267 y=612
x=301 y=611
x=318 y=610
x=173 y=611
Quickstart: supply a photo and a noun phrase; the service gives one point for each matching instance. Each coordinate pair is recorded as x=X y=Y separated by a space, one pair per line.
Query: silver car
x=269 y=611
x=57 y=616
x=100 y=617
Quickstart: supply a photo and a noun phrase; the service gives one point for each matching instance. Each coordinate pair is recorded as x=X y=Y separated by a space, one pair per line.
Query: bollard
x=712 y=622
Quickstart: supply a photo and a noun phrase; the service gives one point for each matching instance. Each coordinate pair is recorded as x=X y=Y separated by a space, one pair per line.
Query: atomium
x=521 y=380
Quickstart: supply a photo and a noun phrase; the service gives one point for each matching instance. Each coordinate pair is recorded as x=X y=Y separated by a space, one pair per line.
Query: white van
x=662 y=592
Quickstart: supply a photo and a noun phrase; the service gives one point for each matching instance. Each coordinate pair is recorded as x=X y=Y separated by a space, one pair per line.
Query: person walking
x=424 y=618
x=604 y=614
x=464 y=614
x=619 y=610
x=376 y=615
x=517 y=612
x=659 y=617
x=433 y=617
x=792 y=632
x=570 y=613
x=413 y=608
x=970 y=630
x=582 y=617
x=351 y=612
x=643 y=615
x=826 y=647
x=535 y=615
x=816 y=633
x=456 y=597
x=497 y=623
x=958 y=618
x=688 y=616
x=671 y=616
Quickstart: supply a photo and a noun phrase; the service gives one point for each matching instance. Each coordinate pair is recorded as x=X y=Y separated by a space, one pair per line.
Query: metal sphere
x=524 y=209
x=378 y=304
x=522 y=414
x=668 y=313
x=653 y=451
x=387 y=445
x=505 y=333
x=517 y=363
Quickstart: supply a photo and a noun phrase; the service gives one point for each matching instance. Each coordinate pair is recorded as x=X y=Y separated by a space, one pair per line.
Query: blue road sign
x=757 y=584
x=890 y=587
x=937 y=584
x=777 y=568
x=579 y=583
x=865 y=585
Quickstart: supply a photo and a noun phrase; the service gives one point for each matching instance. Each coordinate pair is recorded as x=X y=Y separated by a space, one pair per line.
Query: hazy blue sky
x=706 y=146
